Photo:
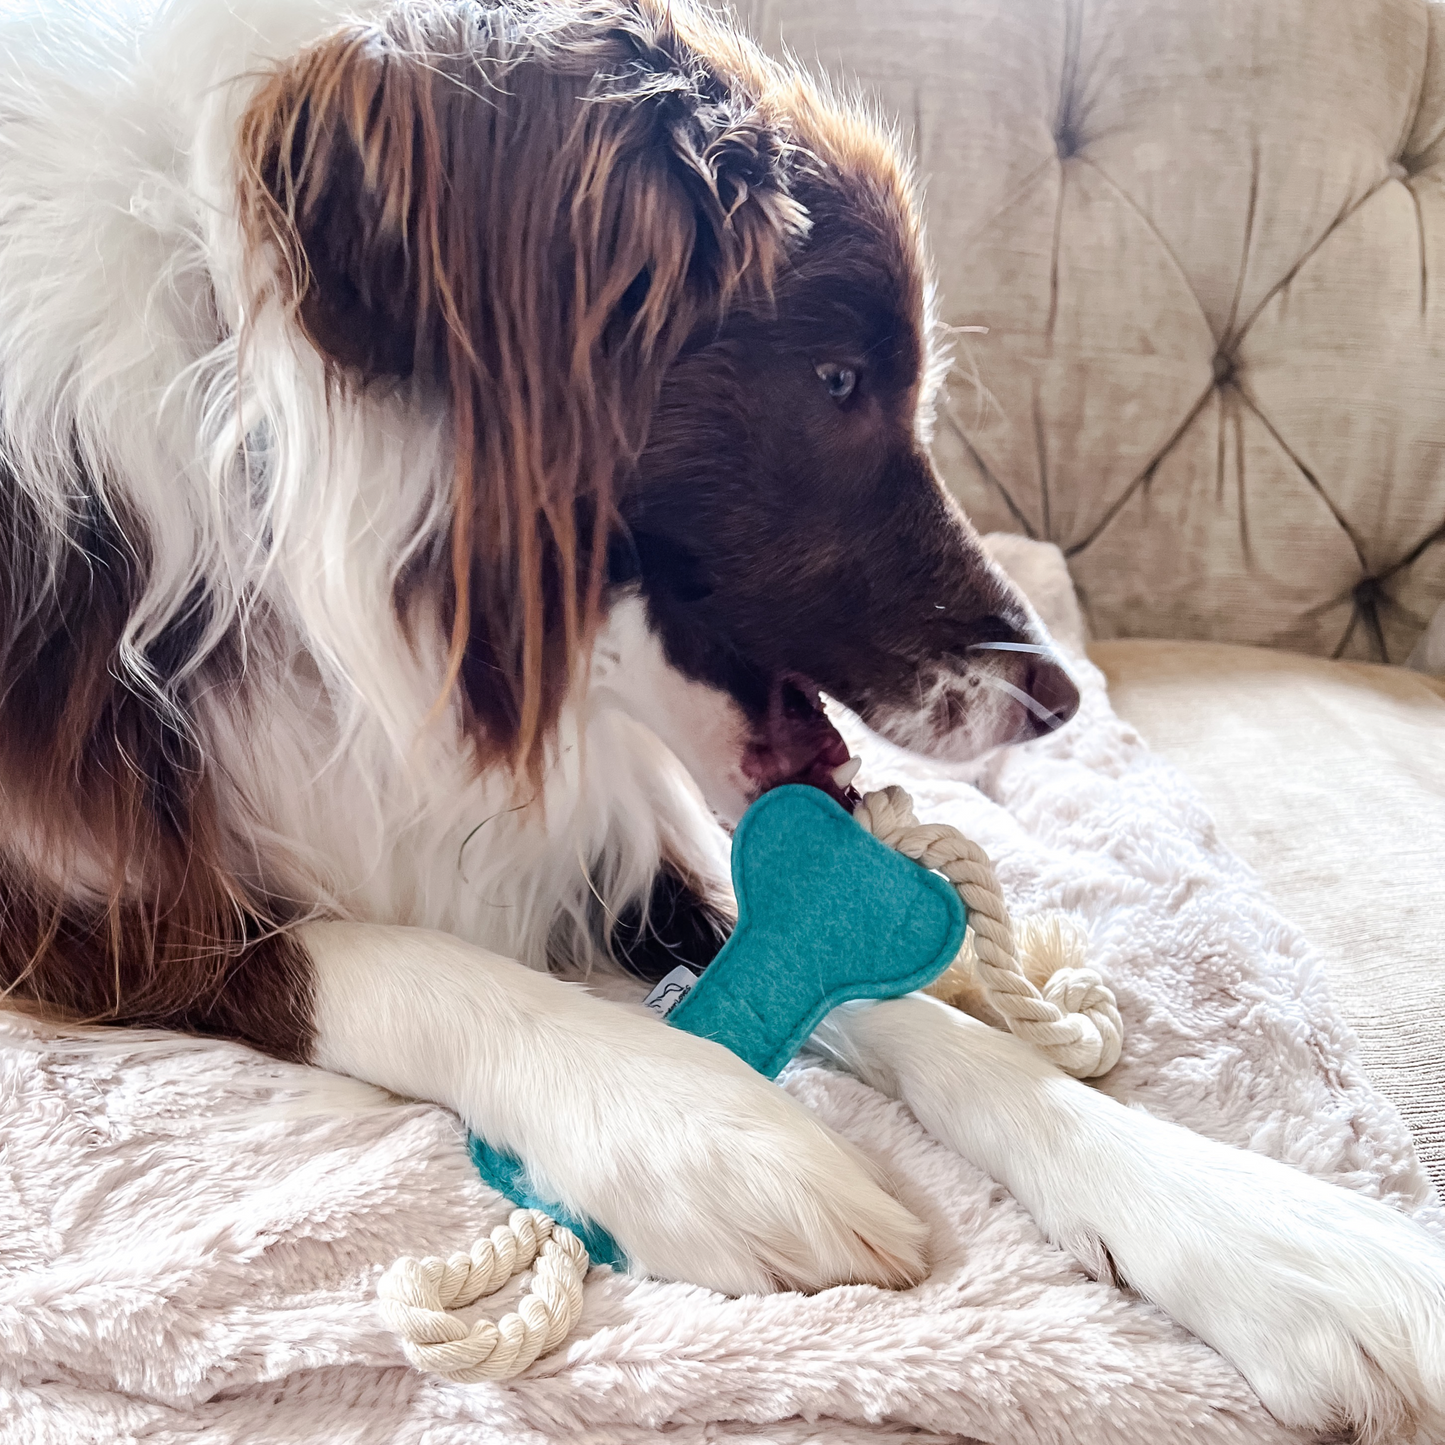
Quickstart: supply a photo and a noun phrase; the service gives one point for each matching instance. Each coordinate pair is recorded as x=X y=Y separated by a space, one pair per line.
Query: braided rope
x=1075 y=1021
x=416 y=1295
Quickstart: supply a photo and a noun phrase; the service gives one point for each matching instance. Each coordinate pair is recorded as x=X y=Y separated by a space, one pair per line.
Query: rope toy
x=1075 y=1021
x=831 y=916
x=416 y=1295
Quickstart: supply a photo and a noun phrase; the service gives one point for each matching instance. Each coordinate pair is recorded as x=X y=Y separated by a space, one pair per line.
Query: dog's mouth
x=796 y=743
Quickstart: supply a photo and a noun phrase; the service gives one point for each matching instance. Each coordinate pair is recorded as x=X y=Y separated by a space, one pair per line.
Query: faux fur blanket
x=190 y=1234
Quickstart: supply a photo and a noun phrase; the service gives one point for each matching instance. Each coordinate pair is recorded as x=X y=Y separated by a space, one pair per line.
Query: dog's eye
x=840 y=380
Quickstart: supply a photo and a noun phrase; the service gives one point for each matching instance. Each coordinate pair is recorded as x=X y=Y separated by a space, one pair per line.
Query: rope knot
x=1075 y=1020
x=886 y=814
x=416 y=1295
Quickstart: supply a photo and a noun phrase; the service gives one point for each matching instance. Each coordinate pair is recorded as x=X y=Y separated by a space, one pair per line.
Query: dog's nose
x=1053 y=689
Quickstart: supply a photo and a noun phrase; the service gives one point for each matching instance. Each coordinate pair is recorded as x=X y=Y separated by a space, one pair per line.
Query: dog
x=449 y=452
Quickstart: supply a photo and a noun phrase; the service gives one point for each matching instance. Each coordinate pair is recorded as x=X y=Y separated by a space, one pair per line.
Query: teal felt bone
x=826 y=914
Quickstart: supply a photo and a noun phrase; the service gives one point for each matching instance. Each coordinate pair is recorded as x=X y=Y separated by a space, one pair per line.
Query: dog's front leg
x=701 y=1169
x=1331 y=1305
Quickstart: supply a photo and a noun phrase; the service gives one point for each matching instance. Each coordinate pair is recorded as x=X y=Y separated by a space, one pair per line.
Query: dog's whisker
x=1027 y=699
x=1033 y=647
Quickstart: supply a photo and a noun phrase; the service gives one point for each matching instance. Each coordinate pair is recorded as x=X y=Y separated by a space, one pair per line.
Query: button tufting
x=1368 y=593
x=1226 y=293
x=1370 y=597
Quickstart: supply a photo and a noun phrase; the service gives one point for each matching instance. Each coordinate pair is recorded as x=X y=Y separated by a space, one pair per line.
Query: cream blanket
x=190 y=1234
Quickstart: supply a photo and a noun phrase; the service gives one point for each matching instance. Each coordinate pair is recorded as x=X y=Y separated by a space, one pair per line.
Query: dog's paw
x=1330 y=1304
x=704 y=1171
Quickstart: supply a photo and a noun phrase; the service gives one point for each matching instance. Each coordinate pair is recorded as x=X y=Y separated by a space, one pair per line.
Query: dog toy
x=831 y=908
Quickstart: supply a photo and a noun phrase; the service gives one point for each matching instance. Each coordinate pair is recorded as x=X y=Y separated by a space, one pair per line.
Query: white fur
x=703 y=726
x=1331 y=1304
x=699 y=1167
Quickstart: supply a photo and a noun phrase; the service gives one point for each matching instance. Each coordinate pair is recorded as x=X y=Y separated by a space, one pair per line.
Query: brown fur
x=120 y=908
x=531 y=209
x=810 y=536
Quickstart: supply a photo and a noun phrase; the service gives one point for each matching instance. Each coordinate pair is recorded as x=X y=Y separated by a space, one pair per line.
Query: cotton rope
x=416 y=1295
x=1074 y=1022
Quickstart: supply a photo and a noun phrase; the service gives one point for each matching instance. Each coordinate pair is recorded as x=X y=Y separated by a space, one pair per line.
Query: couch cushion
x=1208 y=243
x=1329 y=779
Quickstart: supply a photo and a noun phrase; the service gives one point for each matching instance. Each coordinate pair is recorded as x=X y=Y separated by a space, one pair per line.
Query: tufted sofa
x=1207 y=241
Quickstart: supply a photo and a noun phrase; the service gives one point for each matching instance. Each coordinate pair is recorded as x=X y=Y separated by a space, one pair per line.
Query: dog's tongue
x=822 y=773
x=801 y=745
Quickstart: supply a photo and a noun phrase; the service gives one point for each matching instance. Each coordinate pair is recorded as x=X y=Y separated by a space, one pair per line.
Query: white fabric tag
x=670 y=991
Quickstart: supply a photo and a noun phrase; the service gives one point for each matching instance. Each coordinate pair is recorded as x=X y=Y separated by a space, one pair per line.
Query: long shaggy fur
x=545 y=327
x=314 y=472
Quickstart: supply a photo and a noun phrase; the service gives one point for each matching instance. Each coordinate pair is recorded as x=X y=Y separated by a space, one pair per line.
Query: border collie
x=447 y=450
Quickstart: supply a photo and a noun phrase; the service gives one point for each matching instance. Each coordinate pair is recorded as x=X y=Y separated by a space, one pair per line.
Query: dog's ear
x=528 y=211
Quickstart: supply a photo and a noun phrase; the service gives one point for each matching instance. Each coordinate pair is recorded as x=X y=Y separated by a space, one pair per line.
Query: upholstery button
x=1066 y=141
x=1370 y=599
x=1223 y=369
x=1367 y=594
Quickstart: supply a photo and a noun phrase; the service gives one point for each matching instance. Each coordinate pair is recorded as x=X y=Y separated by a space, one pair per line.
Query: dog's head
x=786 y=534
x=673 y=299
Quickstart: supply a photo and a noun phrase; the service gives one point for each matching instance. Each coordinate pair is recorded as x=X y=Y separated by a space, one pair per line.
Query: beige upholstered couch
x=1207 y=238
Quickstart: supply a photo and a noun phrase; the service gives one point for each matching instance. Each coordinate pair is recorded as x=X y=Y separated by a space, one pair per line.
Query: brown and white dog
x=446 y=451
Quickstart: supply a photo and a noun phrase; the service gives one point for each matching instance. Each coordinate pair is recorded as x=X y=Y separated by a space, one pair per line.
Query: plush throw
x=190 y=1234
